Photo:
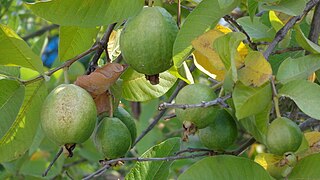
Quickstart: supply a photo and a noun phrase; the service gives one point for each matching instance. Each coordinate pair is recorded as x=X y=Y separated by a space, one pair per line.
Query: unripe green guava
x=112 y=138
x=283 y=136
x=68 y=115
x=128 y=120
x=147 y=39
x=195 y=94
x=220 y=133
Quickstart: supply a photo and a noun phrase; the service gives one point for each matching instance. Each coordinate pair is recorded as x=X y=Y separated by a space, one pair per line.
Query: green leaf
x=299 y=68
x=257 y=124
x=12 y=71
x=305 y=94
x=292 y=8
x=201 y=19
x=75 y=40
x=306 y=168
x=252 y=8
x=11 y=98
x=39 y=44
x=13 y=50
x=256 y=30
x=19 y=136
x=249 y=100
x=86 y=13
x=305 y=43
x=137 y=88
x=226 y=46
x=225 y=167
x=155 y=169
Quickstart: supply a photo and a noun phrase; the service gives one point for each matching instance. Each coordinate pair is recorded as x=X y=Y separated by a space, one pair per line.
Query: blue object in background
x=50 y=52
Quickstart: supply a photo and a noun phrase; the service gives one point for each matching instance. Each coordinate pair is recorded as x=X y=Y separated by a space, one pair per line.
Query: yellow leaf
x=312 y=138
x=257 y=70
x=266 y=159
x=206 y=66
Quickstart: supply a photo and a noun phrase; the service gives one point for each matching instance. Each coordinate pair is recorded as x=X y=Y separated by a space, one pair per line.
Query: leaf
x=292 y=8
x=252 y=8
x=225 y=167
x=267 y=159
x=182 y=73
x=256 y=29
x=277 y=24
x=257 y=125
x=12 y=71
x=155 y=169
x=137 y=88
x=201 y=19
x=75 y=40
x=86 y=13
x=256 y=71
x=19 y=137
x=251 y=100
x=226 y=46
x=304 y=42
x=98 y=82
x=305 y=94
x=299 y=68
x=13 y=50
x=307 y=168
x=11 y=98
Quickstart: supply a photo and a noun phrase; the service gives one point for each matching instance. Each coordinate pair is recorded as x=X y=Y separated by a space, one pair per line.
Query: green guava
x=283 y=136
x=220 y=133
x=195 y=94
x=68 y=115
x=147 y=39
x=128 y=120
x=112 y=138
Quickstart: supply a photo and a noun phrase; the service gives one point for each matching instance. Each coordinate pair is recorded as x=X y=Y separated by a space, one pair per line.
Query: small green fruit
x=112 y=138
x=128 y=120
x=283 y=136
x=68 y=115
x=221 y=132
x=147 y=39
x=195 y=94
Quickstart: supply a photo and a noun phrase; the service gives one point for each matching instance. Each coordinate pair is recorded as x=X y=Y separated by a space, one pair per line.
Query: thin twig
x=103 y=47
x=217 y=101
x=179 y=14
x=289 y=49
x=192 y=150
x=233 y=22
x=243 y=147
x=40 y=31
x=52 y=162
x=284 y=30
x=315 y=25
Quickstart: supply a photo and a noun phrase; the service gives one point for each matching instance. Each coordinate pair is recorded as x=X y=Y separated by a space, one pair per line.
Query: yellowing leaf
x=257 y=70
x=312 y=138
x=206 y=66
x=266 y=159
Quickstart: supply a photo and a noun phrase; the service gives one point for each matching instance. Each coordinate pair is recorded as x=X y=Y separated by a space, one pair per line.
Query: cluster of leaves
x=242 y=62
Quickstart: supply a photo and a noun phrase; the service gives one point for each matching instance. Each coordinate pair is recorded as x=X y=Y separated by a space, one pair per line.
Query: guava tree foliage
x=183 y=89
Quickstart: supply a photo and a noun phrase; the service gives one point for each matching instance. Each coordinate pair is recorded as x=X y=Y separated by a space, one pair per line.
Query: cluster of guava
x=69 y=117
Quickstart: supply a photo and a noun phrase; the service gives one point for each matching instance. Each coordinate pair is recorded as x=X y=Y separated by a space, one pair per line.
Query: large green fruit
x=68 y=115
x=283 y=136
x=112 y=138
x=128 y=120
x=147 y=39
x=195 y=94
x=221 y=132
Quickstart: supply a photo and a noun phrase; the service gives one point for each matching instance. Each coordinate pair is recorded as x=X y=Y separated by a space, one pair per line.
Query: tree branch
x=289 y=49
x=315 y=25
x=40 y=31
x=284 y=30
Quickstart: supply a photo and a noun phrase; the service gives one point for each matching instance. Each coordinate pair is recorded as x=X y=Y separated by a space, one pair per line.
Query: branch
x=284 y=30
x=315 y=25
x=217 y=101
x=309 y=123
x=104 y=47
x=243 y=147
x=289 y=49
x=40 y=32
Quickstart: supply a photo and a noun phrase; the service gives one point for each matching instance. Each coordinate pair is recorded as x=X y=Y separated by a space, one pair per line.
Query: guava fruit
x=220 y=133
x=112 y=138
x=128 y=120
x=195 y=94
x=68 y=115
x=283 y=136
x=147 y=39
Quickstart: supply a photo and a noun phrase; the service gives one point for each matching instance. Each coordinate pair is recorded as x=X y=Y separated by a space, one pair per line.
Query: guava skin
x=147 y=39
x=195 y=94
x=220 y=133
x=112 y=138
x=128 y=120
x=68 y=115
x=283 y=136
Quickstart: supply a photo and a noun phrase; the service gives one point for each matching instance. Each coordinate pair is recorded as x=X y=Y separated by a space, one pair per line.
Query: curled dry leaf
x=98 y=82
